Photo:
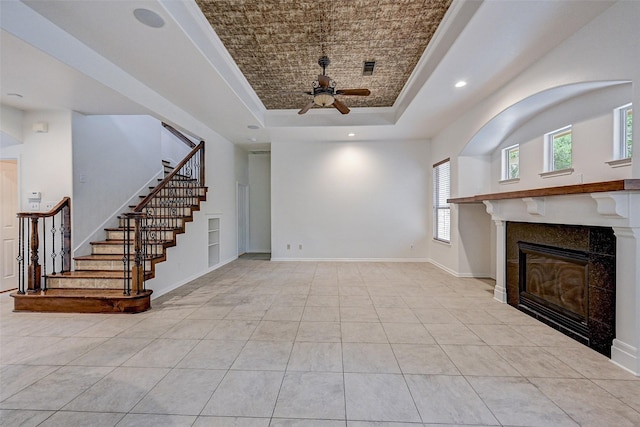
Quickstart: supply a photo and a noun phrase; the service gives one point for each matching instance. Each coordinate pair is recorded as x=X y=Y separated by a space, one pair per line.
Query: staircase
x=112 y=278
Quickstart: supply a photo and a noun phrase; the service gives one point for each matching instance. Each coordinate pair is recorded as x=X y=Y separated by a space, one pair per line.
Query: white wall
x=348 y=200
x=44 y=159
x=10 y=126
x=259 y=202
x=114 y=159
x=591 y=117
x=173 y=149
x=606 y=49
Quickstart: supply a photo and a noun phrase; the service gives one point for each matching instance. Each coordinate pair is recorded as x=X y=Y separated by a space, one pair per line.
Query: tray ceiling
x=277 y=44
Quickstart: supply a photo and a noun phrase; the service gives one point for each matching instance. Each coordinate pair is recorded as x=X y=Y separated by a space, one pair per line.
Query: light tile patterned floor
x=259 y=343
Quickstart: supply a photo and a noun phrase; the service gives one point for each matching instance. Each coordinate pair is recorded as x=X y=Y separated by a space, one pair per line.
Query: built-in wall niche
x=564 y=276
x=213 y=241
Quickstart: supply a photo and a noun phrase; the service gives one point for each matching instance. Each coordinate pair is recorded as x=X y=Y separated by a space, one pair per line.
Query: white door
x=243 y=217
x=9 y=224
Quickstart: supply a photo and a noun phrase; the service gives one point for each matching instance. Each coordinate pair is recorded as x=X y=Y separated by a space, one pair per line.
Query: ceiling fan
x=324 y=91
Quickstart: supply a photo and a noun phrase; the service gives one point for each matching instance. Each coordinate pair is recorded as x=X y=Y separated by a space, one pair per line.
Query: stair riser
x=85 y=283
x=99 y=265
x=164 y=222
x=118 y=249
x=183 y=191
x=168 y=210
x=191 y=203
x=159 y=235
x=81 y=301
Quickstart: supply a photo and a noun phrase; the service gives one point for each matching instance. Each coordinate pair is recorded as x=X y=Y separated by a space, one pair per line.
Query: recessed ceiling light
x=253 y=127
x=149 y=18
x=461 y=83
x=351 y=134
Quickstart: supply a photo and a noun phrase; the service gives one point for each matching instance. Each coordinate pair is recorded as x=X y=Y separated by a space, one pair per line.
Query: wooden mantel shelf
x=594 y=187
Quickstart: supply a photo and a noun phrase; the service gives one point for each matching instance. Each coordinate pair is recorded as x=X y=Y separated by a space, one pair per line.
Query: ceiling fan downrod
x=324 y=63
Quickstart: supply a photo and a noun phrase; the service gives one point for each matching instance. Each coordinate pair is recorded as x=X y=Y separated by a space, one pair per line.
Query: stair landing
x=73 y=300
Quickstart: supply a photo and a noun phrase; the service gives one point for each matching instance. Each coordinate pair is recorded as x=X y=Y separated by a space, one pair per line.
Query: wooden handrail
x=65 y=202
x=179 y=135
x=173 y=173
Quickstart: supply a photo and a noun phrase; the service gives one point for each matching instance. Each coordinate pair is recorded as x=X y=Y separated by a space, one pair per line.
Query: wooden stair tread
x=121 y=242
x=90 y=274
x=149 y=228
x=109 y=257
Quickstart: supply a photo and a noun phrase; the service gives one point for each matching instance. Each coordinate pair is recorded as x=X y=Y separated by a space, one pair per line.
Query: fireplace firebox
x=564 y=276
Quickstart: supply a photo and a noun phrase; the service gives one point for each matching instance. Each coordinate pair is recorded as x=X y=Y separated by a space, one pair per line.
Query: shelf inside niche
x=213 y=241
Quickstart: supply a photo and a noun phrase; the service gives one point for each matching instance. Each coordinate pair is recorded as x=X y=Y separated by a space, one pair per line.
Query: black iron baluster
x=44 y=254
x=125 y=257
x=21 y=256
x=62 y=246
x=53 y=243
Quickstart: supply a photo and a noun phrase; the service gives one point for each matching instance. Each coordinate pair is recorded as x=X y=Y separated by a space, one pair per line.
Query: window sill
x=442 y=242
x=509 y=181
x=559 y=172
x=619 y=163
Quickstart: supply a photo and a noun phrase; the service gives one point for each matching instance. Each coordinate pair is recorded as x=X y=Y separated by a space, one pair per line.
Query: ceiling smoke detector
x=149 y=18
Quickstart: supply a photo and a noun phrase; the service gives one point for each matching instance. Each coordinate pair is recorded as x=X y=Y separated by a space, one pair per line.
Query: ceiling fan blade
x=306 y=108
x=340 y=106
x=358 y=92
x=324 y=80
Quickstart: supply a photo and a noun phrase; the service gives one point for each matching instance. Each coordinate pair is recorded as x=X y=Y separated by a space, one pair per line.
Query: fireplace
x=553 y=283
x=564 y=276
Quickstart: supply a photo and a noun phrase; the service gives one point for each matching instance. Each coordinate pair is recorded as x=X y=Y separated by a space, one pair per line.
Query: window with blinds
x=441 y=210
x=623 y=123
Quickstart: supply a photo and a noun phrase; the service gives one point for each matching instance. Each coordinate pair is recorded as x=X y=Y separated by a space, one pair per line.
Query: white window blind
x=441 y=210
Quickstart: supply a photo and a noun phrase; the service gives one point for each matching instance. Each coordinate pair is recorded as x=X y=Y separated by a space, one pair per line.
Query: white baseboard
x=349 y=259
x=460 y=275
x=190 y=278
x=625 y=356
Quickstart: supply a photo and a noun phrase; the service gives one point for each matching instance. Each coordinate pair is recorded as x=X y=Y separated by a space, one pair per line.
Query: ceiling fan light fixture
x=323 y=99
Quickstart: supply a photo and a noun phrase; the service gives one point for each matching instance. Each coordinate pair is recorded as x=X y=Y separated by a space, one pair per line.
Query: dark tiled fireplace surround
x=564 y=276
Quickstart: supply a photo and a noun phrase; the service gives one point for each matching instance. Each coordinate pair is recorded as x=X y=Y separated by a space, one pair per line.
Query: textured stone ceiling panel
x=277 y=43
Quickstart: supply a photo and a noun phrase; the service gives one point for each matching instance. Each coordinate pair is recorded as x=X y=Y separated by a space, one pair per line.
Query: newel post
x=34 y=271
x=137 y=270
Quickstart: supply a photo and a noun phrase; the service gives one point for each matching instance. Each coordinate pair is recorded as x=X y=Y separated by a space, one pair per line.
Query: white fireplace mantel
x=585 y=205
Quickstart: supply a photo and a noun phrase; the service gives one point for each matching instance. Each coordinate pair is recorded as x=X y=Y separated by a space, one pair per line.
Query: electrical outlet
x=48 y=206
x=34 y=206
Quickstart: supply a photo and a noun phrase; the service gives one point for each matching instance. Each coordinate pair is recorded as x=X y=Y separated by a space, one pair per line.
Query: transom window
x=441 y=209
x=558 y=146
x=511 y=162
x=623 y=126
